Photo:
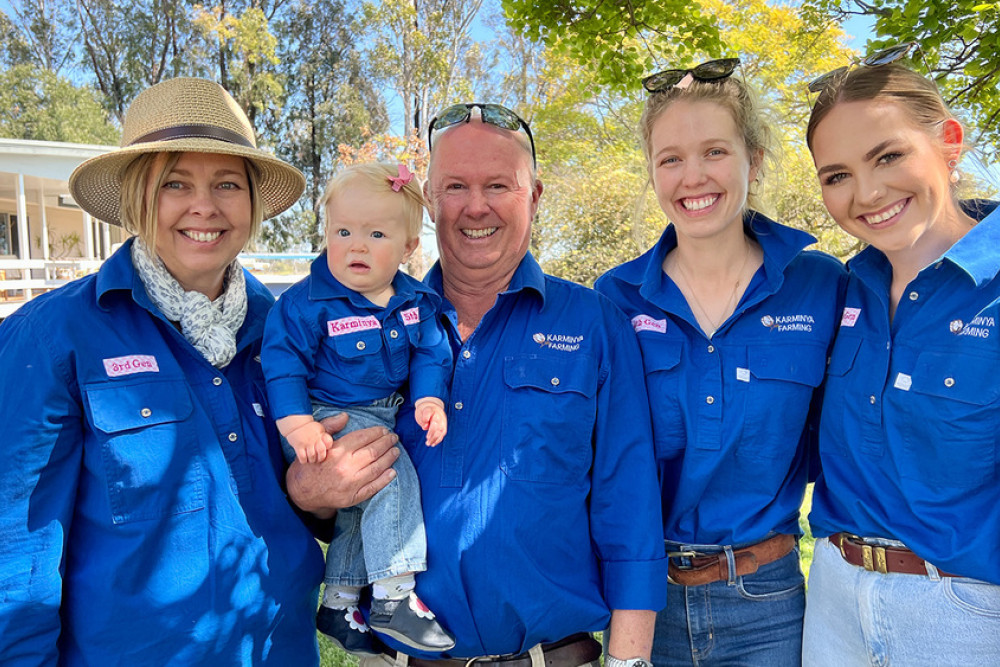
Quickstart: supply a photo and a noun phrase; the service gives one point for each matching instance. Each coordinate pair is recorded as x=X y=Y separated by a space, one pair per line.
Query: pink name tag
x=411 y=316
x=133 y=363
x=850 y=317
x=647 y=323
x=347 y=325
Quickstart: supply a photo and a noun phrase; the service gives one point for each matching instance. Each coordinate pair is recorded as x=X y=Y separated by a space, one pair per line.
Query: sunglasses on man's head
x=712 y=70
x=883 y=57
x=494 y=114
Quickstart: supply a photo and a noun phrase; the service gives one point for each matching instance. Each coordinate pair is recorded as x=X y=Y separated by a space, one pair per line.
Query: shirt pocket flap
x=964 y=378
x=845 y=350
x=120 y=407
x=551 y=375
x=803 y=364
x=356 y=345
x=659 y=354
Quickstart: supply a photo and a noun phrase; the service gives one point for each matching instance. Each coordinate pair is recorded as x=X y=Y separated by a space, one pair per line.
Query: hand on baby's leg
x=307 y=437
x=429 y=413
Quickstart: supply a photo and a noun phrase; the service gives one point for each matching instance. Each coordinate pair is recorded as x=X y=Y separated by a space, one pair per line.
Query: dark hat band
x=196 y=132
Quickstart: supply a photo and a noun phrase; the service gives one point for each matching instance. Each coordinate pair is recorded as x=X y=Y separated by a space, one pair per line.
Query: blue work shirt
x=911 y=416
x=143 y=519
x=541 y=504
x=729 y=412
x=326 y=342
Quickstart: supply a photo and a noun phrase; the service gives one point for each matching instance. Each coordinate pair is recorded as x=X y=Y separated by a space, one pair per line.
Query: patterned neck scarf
x=210 y=326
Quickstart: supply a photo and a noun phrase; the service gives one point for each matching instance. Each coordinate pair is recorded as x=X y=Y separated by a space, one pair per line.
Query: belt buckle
x=873 y=558
x=684 y=554
x=484 y=658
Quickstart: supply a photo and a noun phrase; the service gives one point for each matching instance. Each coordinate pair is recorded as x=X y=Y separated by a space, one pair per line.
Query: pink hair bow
x=405 y=176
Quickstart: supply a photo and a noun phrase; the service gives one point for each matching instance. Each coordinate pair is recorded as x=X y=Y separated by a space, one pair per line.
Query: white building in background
x=46 y=240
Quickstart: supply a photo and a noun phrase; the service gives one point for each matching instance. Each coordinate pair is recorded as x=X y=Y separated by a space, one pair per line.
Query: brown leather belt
x=873 y=558
x=714 y=567
x=572 y=651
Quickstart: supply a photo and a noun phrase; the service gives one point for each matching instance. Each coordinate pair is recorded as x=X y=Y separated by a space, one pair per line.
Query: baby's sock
x=341 y=597
x=393 y=588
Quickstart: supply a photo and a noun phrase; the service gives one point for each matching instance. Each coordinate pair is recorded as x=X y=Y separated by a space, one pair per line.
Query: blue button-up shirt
x=909 y=432
x=326 y=342
x=730 y=412
x=541 y=503
x=143 y=519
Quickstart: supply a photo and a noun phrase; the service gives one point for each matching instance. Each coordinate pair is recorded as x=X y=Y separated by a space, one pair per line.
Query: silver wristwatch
x=612 y=661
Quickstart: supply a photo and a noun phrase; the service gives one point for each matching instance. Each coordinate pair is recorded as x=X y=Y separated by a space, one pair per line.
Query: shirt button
x=459 y=406
x=871 y=399
x=710 y=400
x=938 y=265
x=233 y=437
x=555 y=382
x=393 y=334
x=361 y=345
x=216 y=381
x=466 y=354
x=711 y=349
x=257 y=358
x=145 y=412
x=914 y=296
x=888 y=345
x=949 y=382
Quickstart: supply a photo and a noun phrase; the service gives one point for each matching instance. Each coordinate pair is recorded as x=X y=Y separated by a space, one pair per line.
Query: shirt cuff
x=635 y=584
x=288 y=396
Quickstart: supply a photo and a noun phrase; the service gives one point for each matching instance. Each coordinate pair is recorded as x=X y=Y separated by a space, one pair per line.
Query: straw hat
x=182 y=115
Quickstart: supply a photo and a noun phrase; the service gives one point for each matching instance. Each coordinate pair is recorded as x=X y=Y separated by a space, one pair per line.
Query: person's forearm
x=631 y=633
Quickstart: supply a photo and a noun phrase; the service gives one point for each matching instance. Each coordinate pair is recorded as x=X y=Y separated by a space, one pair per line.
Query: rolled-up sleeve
x=42 y=440
x=627 y=526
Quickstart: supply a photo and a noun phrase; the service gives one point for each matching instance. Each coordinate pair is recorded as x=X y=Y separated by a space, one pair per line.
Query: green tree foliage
x=616 y=42
x=959 y=45
x=40 y=105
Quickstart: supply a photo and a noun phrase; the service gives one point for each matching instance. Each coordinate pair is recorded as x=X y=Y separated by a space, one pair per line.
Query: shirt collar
x=779 y=243
x=527 y=277
x=323 y=286
x=967 y=253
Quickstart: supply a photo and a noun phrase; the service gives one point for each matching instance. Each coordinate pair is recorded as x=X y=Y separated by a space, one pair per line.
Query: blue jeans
x=751 y=620
x=857 y=617
x=384 y=535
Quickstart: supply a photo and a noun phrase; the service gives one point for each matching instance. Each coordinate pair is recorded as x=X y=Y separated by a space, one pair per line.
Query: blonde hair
x=378 y=176
x=916 y=94
x=732 y=95
x=139 y=212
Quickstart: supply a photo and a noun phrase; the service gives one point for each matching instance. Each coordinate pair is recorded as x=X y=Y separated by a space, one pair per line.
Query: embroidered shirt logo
x=133 y=363
x=788 y=322
x=411 y=316
x=850 y=317
x=977 y=328
x=346 y=325
x=647 y=323
x=562 y=342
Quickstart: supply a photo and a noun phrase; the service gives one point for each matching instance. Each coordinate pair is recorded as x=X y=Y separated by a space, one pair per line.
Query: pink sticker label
x=133 y=363
x=411 y=316
x=647 y=323
x=850 y=317
x=347 y=325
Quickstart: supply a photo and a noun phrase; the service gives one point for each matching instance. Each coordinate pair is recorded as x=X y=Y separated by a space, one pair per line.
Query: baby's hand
x=308 y=438
x=429 y=413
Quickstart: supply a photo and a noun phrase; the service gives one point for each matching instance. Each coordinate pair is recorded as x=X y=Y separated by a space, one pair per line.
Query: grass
x=331 y=656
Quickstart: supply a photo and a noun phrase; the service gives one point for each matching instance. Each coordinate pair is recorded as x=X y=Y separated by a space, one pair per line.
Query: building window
x=8 y=235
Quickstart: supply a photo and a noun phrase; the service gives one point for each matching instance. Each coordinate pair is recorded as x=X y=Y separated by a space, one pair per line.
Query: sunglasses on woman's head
x=882 y=57
x=494 y=114
x=712 y=70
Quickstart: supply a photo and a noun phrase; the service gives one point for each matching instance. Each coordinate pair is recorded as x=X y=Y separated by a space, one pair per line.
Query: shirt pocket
x=547 y=427
x=149 y=449
x=835 y=424
x=359 y=357
x=782 y=378
x=950 y=434
x=661 y=362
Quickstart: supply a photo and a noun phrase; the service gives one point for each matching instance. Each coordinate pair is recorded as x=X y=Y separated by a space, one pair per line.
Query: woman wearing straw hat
x=143 y=518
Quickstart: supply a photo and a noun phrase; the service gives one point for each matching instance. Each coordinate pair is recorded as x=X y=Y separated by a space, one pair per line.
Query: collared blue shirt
x=143 y=519
x=909 y=432
x=541 y=504
x=330 y=344
x=730 y=412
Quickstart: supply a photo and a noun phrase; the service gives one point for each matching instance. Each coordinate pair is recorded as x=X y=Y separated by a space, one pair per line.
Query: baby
x=345 y=339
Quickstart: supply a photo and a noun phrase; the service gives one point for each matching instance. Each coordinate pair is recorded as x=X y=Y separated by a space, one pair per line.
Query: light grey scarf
x=210 y=326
